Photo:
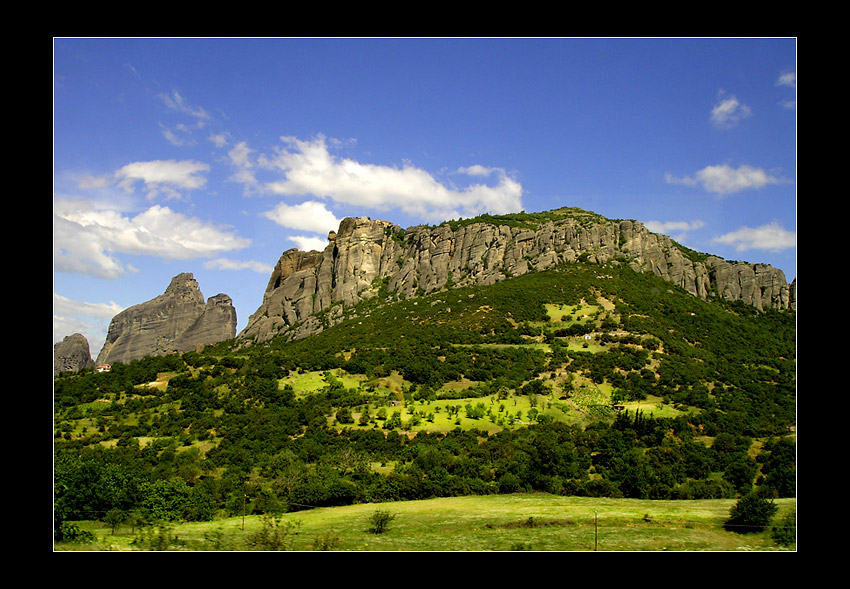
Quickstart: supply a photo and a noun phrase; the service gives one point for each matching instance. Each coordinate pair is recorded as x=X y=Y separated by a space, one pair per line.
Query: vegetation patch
x=671 y=400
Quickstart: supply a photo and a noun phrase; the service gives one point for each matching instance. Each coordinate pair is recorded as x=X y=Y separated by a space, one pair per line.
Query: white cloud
x=176 y=140
x=307 y=216
x=771 y=237
x=90 y=319
x=219 y=139
x=307 y=243
x=240 y=159
x=664 y=227
x=228 y=264
x=724 y=179
x=163 y=175
x=65 y=306
x=788 y=79
x=678 y=230
x=86 y=238
x=728 y=112
x=307 y=168
x=176 y=102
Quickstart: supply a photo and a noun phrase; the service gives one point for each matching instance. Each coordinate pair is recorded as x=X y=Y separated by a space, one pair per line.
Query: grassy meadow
x=537 y=522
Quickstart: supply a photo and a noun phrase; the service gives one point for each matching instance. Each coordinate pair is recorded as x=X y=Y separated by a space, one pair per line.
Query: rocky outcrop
x=71 y=354
x=177 y=321
x=308 y=290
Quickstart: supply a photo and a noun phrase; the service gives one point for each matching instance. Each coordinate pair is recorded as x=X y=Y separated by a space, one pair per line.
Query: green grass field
x=538 y=522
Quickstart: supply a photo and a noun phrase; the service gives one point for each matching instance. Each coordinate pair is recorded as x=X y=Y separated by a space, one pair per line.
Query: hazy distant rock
x=71 y=354
x=308 y=290
x=177 y=321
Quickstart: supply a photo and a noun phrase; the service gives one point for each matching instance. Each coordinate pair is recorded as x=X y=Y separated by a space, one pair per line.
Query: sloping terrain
x=582 y=380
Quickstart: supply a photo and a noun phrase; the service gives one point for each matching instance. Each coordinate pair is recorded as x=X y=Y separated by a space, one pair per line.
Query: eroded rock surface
x=364 y=256
x=176 y=321
x=72 y=354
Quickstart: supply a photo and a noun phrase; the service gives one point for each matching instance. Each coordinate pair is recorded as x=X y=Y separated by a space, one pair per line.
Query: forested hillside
x=582 y=380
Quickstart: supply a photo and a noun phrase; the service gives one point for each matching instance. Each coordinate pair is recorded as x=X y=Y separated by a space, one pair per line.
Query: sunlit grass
x=482 y=523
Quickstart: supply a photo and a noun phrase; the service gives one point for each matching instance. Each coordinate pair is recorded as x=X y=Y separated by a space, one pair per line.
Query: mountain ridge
x=309 y=291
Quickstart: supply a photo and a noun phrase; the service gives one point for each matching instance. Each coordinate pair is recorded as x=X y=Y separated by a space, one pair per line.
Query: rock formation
x=174 y=322
x=71 y=354
x=308 y=290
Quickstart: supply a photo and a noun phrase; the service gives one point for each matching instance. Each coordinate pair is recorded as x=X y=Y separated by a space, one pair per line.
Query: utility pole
x=243 y=511
x=595 y=530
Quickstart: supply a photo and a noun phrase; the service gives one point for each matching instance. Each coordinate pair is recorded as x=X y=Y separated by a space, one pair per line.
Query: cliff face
x=71 y=354
x=175 y=322
x=365 y=255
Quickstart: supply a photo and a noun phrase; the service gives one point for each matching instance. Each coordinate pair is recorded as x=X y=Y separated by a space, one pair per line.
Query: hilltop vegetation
x=585 y=380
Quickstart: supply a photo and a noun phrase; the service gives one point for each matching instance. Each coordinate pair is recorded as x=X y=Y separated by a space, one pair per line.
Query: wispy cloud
x=228 y=264
x=788 y=79
x=181 y=135
x=728 y=112
x=175 y=101
x=678 y=230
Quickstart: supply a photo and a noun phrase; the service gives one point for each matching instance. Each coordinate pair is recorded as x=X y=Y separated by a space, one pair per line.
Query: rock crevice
x=176 y=321
x=366 y=255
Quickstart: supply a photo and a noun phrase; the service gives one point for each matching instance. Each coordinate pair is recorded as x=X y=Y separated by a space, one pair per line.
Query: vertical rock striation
x=364 y=256
x=176 y=321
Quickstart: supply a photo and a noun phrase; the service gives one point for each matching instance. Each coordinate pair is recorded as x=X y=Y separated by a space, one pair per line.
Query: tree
x=751 y=513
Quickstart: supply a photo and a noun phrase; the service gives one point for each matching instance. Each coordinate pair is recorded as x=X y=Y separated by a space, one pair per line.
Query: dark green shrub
x=379 y=521
x=751 y=513
x=784 y=532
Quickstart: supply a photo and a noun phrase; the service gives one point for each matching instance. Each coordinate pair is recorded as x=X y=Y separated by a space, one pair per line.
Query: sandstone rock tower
x=177 y=321
x=71 y=354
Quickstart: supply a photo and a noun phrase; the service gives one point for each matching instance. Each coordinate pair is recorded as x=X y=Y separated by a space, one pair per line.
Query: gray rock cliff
x=71 y=354
x=365 y=255
x=176 y=321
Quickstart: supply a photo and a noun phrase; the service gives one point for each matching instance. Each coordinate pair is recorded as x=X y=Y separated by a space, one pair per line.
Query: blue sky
x=214 y=156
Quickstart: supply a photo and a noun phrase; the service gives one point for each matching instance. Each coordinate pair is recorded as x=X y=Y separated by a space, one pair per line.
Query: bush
x=380 y=521
x=785 y=532
x=751 y=513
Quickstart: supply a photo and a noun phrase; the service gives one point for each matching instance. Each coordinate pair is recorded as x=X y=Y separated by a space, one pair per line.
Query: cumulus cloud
x=728 y=112
x=167 y=176
x=307 y=168
x=307 y=243
x=87 y=238
x=771 y=237
x=308 y=216
x=724 y=179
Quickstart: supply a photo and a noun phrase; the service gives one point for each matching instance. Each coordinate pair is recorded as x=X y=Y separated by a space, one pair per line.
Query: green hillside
x=583 y=381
